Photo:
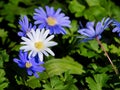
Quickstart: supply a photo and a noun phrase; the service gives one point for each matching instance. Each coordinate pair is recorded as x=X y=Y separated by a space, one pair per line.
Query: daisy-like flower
x=91 y=31
x=51 y=19
x=117 y=27
x=38 y=43
x=31 y=66
x=25 y=26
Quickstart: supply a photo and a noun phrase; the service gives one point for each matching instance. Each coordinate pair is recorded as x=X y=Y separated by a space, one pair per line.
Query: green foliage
x=33 y=82
x=4 y=57
x=98 y=82
x=59 y=66
x=3 y=80
x=84 y=65
x=76 y=7
x=3 y=35
x=64 y=82
x=91 y=49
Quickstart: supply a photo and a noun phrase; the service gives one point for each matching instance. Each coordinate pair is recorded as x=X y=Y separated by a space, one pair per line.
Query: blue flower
x=32 y=65
x=25 y=26
x=91 y=31
x=51 y=19
x=117 y=27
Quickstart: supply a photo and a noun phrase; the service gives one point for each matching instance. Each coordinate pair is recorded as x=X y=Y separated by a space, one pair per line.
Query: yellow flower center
x=38 y=45
x=28 y=65
x=51 y=21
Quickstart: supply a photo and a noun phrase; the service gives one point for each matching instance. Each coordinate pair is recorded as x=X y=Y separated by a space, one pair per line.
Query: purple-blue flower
x=117 y=27
x=91 y=31
x=50 y=19
x=25 y=26
x=32 y=65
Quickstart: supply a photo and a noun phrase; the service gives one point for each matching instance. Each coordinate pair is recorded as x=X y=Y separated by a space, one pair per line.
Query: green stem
x=102 y=47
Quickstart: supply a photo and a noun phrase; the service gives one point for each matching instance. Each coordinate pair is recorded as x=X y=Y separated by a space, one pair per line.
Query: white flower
x=37 y=42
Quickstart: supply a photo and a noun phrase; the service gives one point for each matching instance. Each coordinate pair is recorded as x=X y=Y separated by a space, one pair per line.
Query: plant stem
x=102 y=47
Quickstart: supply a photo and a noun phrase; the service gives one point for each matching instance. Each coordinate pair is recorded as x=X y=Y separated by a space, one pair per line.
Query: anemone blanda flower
x=91 y=31
x=31 y=66
x=25 y=26
x=117 y=27
x=51 y=19
x=38 y=43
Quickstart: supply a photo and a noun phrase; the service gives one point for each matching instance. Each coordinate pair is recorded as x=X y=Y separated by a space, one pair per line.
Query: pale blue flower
x=51 y=19
x=25 y=26
x=91 y=31
x=117 y=27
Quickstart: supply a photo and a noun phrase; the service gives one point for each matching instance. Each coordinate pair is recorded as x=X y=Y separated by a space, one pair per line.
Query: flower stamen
x=51 y=21
x=28 y=65
x=38 y=45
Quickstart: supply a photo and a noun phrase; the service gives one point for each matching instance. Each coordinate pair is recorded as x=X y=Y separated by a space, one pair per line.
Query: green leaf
x=76 y=7
x=54 y=84
x=3 y=34
x=58 y=66
x=115 y=50
x=94 y=45
x=3 y=81
x=89 y=49
x=63 y=82
x=98 y=82
x=117 y=40
x=95 y=12
x=33 y=82
x=74 y=26
x=4 y=57
x=93 y=2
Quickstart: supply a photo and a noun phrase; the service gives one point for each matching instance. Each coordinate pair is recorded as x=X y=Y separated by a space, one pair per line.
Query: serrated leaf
x=3 y=81
x=76 y=7
x=4 y=57
x=98 y=82
x=94 y=45
x=117 y=40
x=114 y=49
x=93 y=2
x=33 y=82
x=3 y=34
x=95 y=12
x=74 y=26
x=58 y=66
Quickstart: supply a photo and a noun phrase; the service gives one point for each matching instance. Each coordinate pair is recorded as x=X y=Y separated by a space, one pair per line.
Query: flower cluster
x=37 y=40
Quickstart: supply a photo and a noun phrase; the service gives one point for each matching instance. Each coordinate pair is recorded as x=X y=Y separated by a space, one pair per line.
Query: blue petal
x=99 y=28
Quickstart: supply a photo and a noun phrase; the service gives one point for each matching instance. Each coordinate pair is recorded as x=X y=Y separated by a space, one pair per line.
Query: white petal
x=51 y=43
x=26 y=39
x=50 y=51
x=40 y=55
x=30 y=54
x=24 y=47
x=34 y=54
x=44 y=52
x=41 y=34
x=49 y=38
x=33 y=33
x=30 y=36
x=37 y=33
x=46 y=34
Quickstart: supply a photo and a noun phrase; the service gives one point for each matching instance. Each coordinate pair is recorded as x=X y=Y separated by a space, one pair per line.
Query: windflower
x=51 y=19
x=117 y=27
x=38 y=43
x=31 y=66
x=91 y=31
x=25 y=26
